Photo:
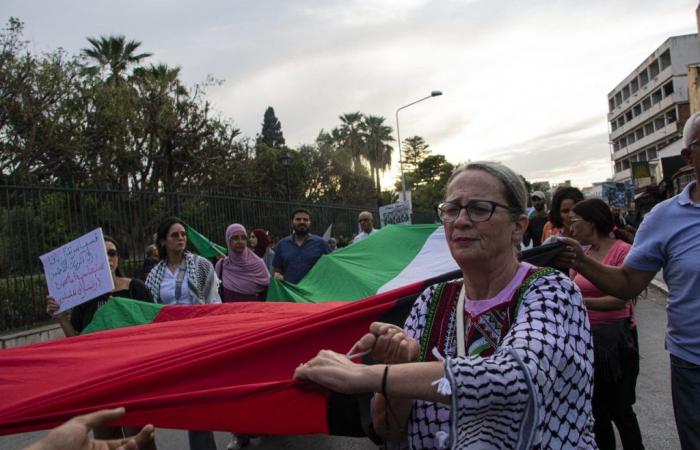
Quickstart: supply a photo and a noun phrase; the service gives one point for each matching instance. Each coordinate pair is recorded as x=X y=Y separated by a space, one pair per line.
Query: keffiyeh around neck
x=243 y=272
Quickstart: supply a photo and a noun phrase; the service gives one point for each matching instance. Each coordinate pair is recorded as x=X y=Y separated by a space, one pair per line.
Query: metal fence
x=35 y=220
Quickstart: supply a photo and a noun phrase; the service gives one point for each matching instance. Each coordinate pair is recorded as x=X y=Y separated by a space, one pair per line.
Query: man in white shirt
x=366 y=221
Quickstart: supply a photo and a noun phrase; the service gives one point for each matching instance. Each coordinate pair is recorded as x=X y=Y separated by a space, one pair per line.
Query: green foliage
x=415 y=150
x=271 y=134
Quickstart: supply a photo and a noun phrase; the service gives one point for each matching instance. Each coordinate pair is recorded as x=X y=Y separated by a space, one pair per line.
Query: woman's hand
x=337 y=373
x=388 y=344
x=572 y=255
x=52 y=307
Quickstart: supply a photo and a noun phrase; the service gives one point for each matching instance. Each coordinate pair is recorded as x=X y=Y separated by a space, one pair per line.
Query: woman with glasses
x=501 y=358
x=615 y=347
x=81 y=315
x=183 y=278
x=243 y=274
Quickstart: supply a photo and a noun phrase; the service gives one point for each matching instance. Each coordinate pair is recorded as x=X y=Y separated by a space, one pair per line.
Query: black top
x=535 y=228
x=82 y=314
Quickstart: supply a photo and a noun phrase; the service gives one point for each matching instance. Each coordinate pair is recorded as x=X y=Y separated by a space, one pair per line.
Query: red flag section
x=211 y=367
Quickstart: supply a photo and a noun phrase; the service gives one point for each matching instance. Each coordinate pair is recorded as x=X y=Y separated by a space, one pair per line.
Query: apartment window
x=628 y=116
x=665 y=59
x=637 y=110
x=618 y=98
x=616 y=146
x=649 y=128
x=613 y=125
x=668 y=88
x=651 y=153
x=639 y=133
x=625 y=164
x=646 y=103
x=653 y=68
x=611 y=104
x=659 y=122
x=625 y=92
x=634 y=86
x=671 y=116
x=631 y=138
x=618 y=166
x=643 y=78
x=656 y=97
x=642 y=156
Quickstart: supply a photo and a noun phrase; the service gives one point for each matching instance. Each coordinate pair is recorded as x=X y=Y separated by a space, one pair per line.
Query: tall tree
x=378 y=150
x=350 y=138
x=271 y=134
x=415 y=150
x=114 y=53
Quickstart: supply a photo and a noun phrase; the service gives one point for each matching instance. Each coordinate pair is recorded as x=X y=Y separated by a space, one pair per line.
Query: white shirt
x=363 y=235
x=167 y=288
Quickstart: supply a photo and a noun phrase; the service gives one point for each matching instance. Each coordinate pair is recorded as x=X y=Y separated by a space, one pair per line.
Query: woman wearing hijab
x=243 y=274
x=260 y=244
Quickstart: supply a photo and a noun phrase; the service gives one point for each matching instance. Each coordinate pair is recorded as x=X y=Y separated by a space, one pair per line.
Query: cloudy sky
x=524 y=82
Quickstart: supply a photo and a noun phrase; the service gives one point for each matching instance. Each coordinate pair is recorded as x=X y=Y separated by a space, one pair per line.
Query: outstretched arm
x=621 y=282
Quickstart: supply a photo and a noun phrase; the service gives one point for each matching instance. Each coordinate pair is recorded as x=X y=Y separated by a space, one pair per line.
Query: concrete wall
x=33 y=336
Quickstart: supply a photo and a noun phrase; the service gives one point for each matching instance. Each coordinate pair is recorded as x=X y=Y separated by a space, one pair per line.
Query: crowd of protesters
x=489 y=355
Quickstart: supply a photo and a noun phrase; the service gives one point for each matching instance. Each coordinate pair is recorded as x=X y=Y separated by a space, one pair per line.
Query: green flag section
x=396 y=255
x=204 y=247
x=121 y=312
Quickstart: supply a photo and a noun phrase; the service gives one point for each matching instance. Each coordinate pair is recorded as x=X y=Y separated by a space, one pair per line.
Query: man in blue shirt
x=295 y=255
x=668 y=239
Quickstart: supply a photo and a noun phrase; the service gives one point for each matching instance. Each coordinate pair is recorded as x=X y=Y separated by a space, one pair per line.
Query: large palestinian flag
x=221 y=367
x=392 y=257
x=227 y=367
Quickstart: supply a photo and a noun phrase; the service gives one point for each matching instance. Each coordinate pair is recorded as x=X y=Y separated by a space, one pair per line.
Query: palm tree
x=377 y=138
x=350 y=138
x=115 y=53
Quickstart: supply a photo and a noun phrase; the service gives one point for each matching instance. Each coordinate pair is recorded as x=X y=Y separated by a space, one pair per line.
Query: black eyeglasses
x=477 y=210
x=112 y=253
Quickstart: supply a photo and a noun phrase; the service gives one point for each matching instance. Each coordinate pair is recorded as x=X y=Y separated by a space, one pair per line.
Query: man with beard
x=295 y=255
x=538 y=217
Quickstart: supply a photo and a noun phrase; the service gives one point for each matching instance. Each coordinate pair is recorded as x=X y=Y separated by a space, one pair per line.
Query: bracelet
x=384 y=377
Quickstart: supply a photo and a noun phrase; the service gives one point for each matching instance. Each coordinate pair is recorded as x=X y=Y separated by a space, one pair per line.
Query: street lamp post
x=398 y=136
x=284 y=158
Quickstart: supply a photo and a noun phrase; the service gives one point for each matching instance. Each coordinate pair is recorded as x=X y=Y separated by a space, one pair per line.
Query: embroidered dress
x=526 y=378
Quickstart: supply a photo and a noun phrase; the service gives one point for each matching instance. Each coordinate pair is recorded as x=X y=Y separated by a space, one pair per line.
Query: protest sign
x=78 y=271
x=395 y=213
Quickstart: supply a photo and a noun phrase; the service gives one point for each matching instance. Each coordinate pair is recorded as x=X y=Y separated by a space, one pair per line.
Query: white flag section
x=78 y=271
x=433 y=259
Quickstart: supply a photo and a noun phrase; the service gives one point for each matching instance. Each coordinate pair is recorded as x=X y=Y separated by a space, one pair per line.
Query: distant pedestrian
x=366 y=221
x=259 y=242
x=669 y=239
x=558 y=225
x=149 y=261
x=615 y=343
x=295 y=255
x=537 y=219
x=333 y=244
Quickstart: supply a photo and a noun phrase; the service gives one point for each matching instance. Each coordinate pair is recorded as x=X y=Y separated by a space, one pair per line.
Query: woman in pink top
x=614 y=331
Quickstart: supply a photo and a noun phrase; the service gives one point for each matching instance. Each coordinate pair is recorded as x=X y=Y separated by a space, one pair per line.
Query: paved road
x=653 y=407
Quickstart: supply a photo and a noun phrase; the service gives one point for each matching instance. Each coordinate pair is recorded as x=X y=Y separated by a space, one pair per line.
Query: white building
x=648 y=108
